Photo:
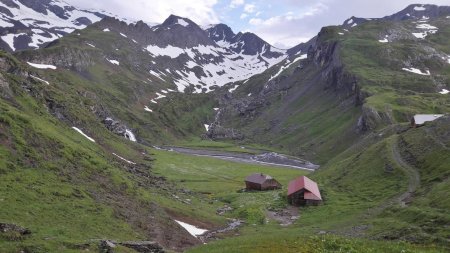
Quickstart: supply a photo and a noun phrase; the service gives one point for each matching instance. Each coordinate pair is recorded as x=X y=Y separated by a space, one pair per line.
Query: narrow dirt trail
x=410 y=171
x=413 y=182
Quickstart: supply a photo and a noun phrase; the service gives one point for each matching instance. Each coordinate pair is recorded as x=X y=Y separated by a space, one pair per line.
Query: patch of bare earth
x=285 y=216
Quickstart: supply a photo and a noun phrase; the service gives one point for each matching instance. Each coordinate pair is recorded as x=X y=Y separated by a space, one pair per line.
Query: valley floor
x=210 y=196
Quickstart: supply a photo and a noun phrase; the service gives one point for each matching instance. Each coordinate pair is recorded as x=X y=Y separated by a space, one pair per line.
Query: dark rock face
x=83 y=21
x=144 y=246
x=5 y=228
x=245 y=43
x=218 y=132
x=301 y=48
x=108 y=246
x=221 y=32
x=198 y=63
x=180 y=32
x=10 y=3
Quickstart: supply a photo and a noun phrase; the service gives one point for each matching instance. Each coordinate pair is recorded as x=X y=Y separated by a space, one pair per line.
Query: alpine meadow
x=120 y=135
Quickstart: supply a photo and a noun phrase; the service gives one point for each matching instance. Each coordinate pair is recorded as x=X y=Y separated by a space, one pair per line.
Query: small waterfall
x=129 y=135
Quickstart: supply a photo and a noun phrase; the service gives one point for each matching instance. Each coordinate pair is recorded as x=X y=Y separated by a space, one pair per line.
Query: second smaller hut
x=261 y=182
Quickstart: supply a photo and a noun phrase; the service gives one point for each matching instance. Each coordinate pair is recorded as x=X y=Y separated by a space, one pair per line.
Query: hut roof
x=420 y=119
x=312 y=190
x=258 y=178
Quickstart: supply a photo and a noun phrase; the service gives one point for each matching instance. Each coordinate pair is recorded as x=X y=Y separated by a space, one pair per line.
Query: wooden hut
x=303 y=191
x=261 y=182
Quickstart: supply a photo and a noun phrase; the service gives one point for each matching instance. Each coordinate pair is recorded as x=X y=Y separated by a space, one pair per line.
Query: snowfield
x=227 y=66
x=421 y=8
x=417 y=71
x=172 y=52
x=114 y=62
x=81 y=132
x=41 y=66
x=301 y=57
x=444 y=91
x=193 y=230
x=182 y=22
x=385 y=40
x=421 y=35
x=147 y=109
x=39 y=79
x=123 y=159
x=429 y=29
x=47 y=27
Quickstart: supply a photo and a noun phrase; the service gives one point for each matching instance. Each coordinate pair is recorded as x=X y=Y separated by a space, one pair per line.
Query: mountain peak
x=220 y=32
x=419 y=11
x=42 y=22
x=176 y=20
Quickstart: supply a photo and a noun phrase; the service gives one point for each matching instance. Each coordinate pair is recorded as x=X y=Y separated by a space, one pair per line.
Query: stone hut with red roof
x=303 y=191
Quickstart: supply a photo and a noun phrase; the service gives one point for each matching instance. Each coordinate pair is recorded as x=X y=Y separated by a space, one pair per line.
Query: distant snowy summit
x=183 y=53
x=413 y=11
x=30 y=24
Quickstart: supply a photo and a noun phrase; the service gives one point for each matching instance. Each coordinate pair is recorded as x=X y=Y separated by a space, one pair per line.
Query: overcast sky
x=283 y=23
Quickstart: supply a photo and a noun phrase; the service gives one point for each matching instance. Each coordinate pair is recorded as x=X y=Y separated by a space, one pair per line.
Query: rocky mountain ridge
x=26 y=24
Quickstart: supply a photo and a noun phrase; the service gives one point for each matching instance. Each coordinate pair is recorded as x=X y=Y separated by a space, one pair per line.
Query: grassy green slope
x=366 y=186
x=70 y=191
x=378 y=67
x=321 y=106
x=122 y=91
x=363 y=191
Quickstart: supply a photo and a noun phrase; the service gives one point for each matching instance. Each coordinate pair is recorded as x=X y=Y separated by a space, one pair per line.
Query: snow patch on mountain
x=56 y=20
x=421 y=35
x=159 y=96
x=147 y=109
x=9 y=39
x=233 y=89
x=420 y=8
x=417 y=71
x=429 y=29
x=4 y=23
x=115 y=62
x=82 y=133
x=156 y=74
x=288 y=64
x=39 y=79
x=193 y=230
x=182 y=22
x=444 y=91
x=171 y=51
x=426 y=26
x=385 y=40
x=41 y=66
x=123 y=159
